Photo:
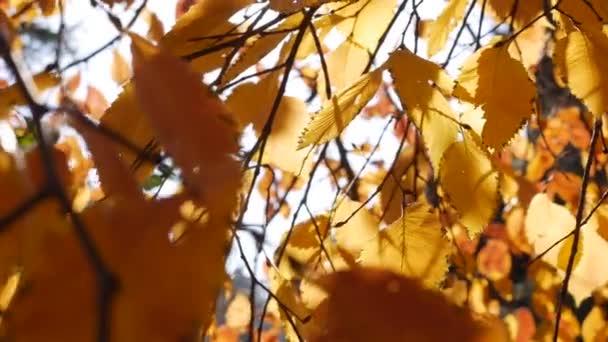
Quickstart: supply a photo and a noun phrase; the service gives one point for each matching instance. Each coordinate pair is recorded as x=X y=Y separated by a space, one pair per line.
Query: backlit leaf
x=390 y=308
x=338 y=112
x=413 y=246
x=188 y=123
x=194 y=32
x=426 y=105
x=12 y=96
x=547 y=222
x=121 y=71
x=499 y=84
x=439 y=30
x=586 y=69
x=471 y=183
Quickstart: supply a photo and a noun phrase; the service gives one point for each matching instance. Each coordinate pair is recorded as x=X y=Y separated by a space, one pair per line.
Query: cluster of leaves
x=487 y=218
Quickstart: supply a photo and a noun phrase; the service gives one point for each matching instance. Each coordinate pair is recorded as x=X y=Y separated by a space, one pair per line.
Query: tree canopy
x=377 y=170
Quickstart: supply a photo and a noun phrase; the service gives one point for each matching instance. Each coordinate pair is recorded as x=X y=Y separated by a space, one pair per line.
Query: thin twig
x=577 y=229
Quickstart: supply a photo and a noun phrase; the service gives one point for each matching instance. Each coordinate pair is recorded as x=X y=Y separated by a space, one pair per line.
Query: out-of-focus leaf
x=121 y=71
x=196 y=30
x=194 y=126
x=413 y=246
x=13 y=96
x=390 y=308
x=471 y=183
x=439 y=30
x=546 y=223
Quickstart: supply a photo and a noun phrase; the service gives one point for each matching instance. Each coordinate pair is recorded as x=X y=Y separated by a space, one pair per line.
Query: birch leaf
x=188 y=123
x=471 y=183
x=587 y=69
x=413 y=246
x=494 y=80
x=338 y=112
x=547 y=222
x=439 y=30
x=421 y=86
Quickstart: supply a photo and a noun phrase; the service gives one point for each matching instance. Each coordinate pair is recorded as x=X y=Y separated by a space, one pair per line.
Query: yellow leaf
x=565 y=251
x=156 y=30
x=529 y=46
x=426 y=105
x=338 y=112
x=323 y=26
x=121 y=71
x=291 y=118
x=356 y=226
x=344 y=65
x=8 y=290
x=282 y=147
x=439 y=30
x=471 y=183
x=260 y=47
x=291 y=6
x=587 y=67
x=492 y=79
x=546 y=223
x=95 y=103
x=195 y=31
x=303 y=246
x=503 y=10
x=13 y=95
x=194 y=126
x=389 y=308
x=371 y=22
x=413 y=246
x=125 y=117
x=591 y=15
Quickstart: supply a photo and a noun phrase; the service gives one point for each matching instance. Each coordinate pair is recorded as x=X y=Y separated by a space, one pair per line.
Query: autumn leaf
x=426 y=104
x=546 y=223
x=499 y=84
x=471 y=183
x=413 y=246
x=340 y=110
x=121 y=71
x=391 y=308
x=585 y=68
x=210 y=173
x=439 y=29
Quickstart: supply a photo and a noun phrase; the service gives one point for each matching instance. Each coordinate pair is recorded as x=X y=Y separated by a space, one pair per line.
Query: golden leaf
x=371 y=22
x=95 y=102
x=524 y=13
x=125 y=117
x=338 y=112
x=471 y=183
x=586 y=69
x=426 y=105
x=193 y=30
x=344 y=65
x=439 y=30
x=13 y=95
x=121 y=71
x=290 y=119
x=413 y=246
x=194 y=126
x=156 y=30
x=492 y=79
x=260 y=47
x=546 y=223
x=390 y=308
